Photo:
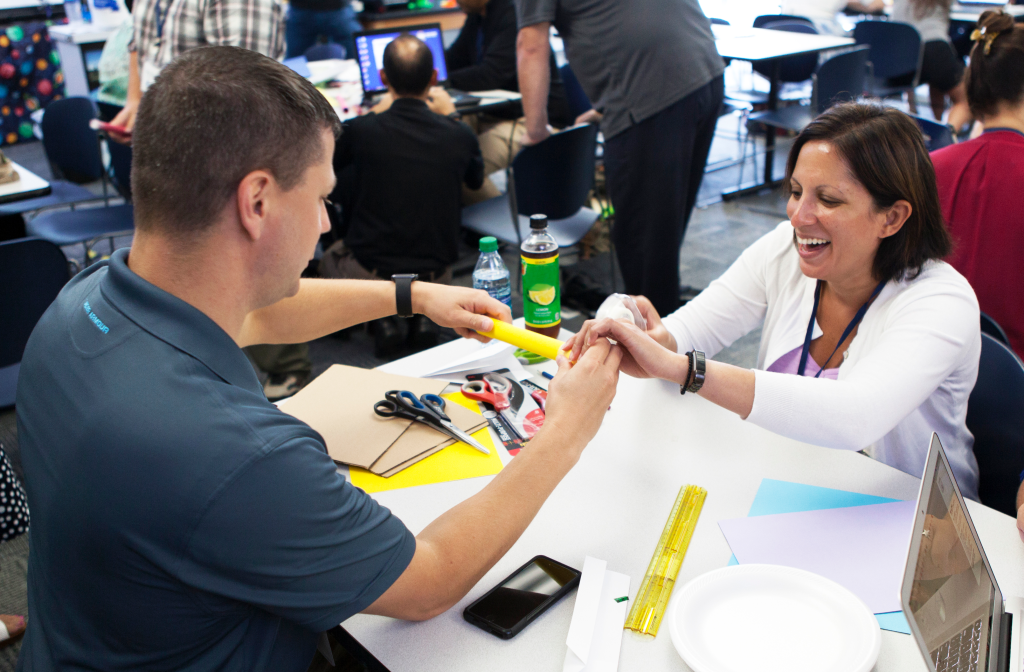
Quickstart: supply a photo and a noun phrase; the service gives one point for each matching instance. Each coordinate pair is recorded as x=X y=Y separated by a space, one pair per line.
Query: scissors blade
x=457 y=433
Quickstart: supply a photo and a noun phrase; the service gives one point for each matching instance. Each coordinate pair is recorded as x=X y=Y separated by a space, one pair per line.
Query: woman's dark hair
x=885 y=152
x=996 y=73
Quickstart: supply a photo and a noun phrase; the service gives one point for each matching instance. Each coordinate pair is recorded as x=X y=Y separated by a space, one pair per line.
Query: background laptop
x=370 y=52
x=950 y=596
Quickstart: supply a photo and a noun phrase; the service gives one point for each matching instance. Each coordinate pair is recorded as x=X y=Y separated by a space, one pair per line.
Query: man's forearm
x=464 y=543
x=533 y=53
x=321 y=307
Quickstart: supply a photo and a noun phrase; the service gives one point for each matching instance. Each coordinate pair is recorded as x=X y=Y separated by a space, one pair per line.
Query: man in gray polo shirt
x=652 y=71
x=179 y=519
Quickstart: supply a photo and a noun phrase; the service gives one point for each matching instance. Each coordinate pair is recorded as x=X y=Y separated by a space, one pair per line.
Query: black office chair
x=73 y=159
x=936 y=134
x=121 y=167
x=992 y=328
x=896 y=56
x=995 y=416
x=554 y=178
x=32 y=273
x=577 y=97
x=66 y=124
x=839 y=79
x=760 y=21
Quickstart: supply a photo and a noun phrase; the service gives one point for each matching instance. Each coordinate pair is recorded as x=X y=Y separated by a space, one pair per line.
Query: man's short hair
x=408 y=64
x=214 y=115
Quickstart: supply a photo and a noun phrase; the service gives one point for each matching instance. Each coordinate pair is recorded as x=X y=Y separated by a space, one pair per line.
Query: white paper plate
x=766 y=618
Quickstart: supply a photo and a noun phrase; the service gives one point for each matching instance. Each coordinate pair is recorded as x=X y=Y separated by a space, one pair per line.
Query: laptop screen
x=952 y=595
x=370 y=51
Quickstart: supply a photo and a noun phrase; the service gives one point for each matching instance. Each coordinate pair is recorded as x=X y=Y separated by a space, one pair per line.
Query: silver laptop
x=949 y=594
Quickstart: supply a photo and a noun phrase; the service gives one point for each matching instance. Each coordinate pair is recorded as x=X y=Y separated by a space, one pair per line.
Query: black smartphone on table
x=526 y=594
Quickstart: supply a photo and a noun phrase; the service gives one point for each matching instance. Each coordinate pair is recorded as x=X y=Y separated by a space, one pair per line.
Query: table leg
x=769 y=143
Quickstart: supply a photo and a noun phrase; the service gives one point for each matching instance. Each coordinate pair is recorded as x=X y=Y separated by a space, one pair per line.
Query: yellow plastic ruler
x=652 y=598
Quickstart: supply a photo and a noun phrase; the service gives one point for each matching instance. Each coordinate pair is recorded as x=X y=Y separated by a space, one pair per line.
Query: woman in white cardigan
x=869 y=341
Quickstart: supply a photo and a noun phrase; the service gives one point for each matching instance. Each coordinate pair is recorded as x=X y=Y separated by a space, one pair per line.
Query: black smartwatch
x=403 y=293
x=695 y=378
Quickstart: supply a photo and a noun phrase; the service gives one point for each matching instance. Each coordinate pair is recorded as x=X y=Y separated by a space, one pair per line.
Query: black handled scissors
x=428 y=409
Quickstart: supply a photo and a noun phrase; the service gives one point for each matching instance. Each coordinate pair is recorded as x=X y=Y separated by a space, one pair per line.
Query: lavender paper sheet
x=863 y=548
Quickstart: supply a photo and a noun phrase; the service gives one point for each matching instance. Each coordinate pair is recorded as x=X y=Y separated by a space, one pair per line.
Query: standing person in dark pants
x=654 y=76
x=309 y=19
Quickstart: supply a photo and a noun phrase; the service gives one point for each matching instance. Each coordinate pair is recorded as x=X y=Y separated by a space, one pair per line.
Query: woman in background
x=980 y=180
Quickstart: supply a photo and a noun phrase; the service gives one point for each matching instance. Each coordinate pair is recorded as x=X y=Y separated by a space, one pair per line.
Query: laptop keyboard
x=960 y=653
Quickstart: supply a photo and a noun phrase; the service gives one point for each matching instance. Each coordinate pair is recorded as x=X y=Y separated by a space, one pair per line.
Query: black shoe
x=423 y=333
x=387 y=337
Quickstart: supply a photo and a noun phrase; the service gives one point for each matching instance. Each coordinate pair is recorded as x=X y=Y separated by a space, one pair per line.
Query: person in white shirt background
x=823 y=12
x=852 y=296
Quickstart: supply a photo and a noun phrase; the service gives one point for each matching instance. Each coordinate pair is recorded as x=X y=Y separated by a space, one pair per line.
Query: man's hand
x=439 y=101
x=125 y=118
x=591 y=116
x=579 y=396
x=463 y=309
x=537 y=135
x=643 y=357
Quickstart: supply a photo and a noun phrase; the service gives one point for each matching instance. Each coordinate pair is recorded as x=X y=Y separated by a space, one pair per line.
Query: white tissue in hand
x=620 y=313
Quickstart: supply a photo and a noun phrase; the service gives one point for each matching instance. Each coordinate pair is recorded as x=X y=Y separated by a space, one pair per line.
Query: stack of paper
x=859 y=541
x=339 y=405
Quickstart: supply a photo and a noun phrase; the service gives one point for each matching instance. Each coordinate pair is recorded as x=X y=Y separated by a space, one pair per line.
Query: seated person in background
x=179 y=519
x=853 y=298
x=979 y=180
x=409 y=159
x=823 y=12
x=942 y=70
x=482 y=58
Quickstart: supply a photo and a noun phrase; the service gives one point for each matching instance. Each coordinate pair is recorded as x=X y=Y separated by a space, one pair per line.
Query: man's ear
x=433 y=79
x=384 y=79
x=252 y=195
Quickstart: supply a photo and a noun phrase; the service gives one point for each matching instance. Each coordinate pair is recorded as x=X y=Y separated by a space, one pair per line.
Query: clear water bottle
x=491 y=274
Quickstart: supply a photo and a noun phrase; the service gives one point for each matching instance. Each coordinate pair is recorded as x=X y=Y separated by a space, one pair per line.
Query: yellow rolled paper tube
x=545 y=346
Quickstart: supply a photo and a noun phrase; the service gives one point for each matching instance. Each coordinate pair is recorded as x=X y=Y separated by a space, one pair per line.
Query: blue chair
x=995 y=416
x=554 y=178
x=936 y=134
x=121 y=167
x=76 y=148
x=74 y=158
x=760 y=21
x=324 y=51
x=794 y=68
x=577 y=97
x=719 y=22
x=992 y=328
x=32 y=273
x=839 y=79
x=896 y=56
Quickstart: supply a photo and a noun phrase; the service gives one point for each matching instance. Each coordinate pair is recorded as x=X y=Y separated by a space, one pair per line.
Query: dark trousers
x=654 y=170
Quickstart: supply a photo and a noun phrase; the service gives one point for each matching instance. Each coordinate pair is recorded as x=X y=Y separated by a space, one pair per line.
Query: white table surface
x=968 y=13
x=613 y=506
x=759 y=44
x=29 y=183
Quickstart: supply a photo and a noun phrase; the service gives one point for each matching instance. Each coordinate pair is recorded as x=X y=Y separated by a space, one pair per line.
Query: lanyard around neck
x=849 y=328
x=161 y=19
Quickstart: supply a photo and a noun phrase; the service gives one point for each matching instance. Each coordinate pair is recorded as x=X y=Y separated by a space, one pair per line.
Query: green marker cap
x=488 y=244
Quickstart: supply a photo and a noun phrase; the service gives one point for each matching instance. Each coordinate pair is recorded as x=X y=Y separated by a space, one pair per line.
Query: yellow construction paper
x=454 y=463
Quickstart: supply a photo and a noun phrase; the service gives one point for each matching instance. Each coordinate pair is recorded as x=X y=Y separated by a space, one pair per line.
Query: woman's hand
x=126 y=119
x=643 y=356
x=655 y=327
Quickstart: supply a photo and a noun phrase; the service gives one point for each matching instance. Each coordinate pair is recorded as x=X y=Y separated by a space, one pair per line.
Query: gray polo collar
x=177 y=323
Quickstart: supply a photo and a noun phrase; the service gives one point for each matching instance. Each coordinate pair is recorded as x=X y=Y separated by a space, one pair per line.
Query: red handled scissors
x=493 y=390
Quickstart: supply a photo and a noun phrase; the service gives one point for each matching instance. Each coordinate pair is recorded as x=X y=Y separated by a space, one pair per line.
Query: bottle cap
x=538 y=221
x=488 y=244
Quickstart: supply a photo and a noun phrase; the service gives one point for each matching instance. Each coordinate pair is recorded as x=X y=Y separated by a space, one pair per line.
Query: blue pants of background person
x=654 y=170
x=304 y=26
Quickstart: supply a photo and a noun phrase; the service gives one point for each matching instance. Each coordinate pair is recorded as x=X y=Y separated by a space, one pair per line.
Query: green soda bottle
x=542 y=304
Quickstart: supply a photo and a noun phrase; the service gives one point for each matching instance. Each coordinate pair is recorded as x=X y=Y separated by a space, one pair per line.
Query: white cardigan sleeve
x=927 y=333
x=731 y=307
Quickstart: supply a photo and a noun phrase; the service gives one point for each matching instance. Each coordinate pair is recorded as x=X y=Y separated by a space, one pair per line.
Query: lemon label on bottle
x=542 y=306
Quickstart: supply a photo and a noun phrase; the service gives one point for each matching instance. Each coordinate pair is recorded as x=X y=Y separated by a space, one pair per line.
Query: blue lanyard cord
x=849 y=328
x=160 y=20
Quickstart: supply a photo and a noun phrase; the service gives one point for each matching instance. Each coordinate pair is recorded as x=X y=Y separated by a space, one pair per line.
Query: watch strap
x=698 y=369
x=403 y=293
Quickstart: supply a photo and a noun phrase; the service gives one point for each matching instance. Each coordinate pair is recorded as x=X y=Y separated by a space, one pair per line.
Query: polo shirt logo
x=95 y=320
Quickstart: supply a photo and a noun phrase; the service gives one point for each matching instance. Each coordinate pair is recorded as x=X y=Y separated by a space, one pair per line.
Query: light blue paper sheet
x=784 y=497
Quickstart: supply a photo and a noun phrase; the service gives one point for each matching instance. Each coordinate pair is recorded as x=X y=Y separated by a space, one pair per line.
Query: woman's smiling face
x=837 y=224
